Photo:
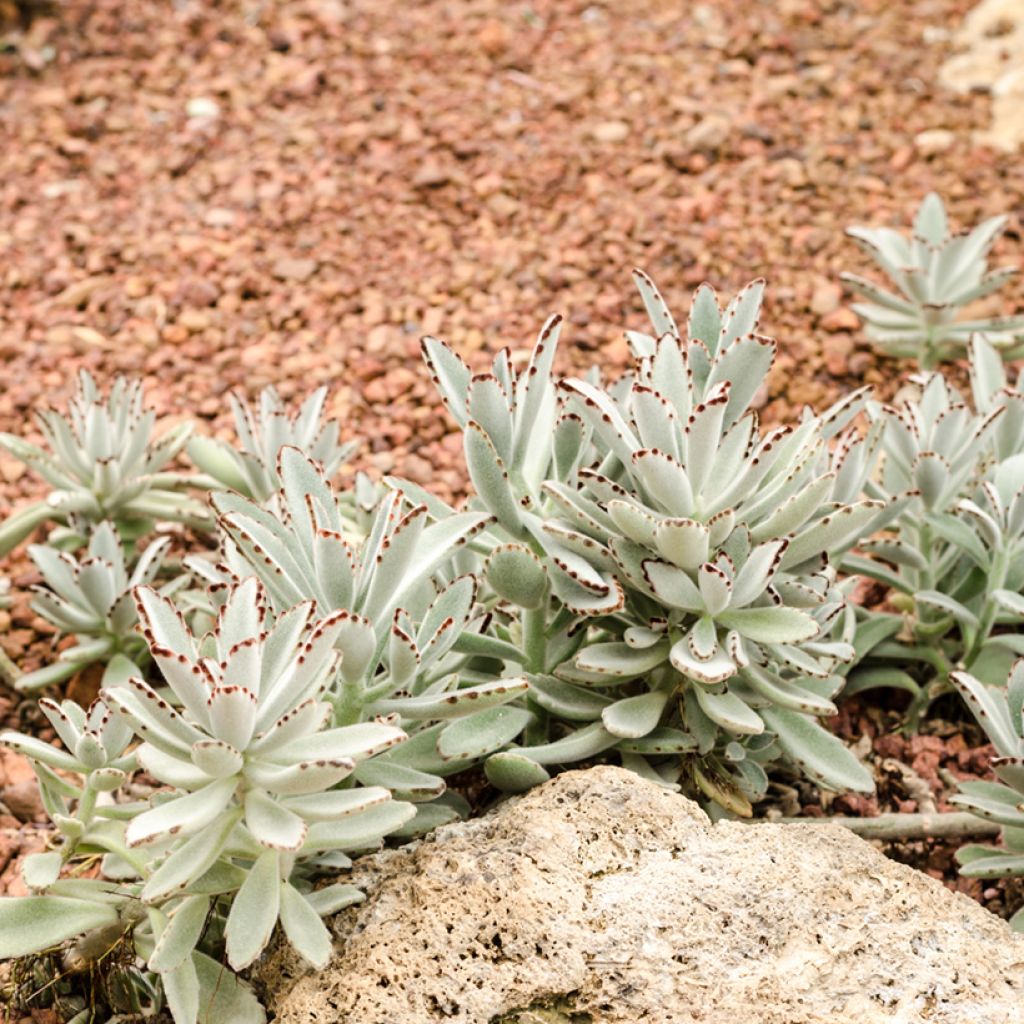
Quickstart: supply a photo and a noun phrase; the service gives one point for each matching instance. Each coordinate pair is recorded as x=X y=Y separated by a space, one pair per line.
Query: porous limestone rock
x=600 y=898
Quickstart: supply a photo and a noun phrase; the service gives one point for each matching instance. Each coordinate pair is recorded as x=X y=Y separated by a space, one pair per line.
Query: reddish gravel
x=223 y=195
x=380 y=170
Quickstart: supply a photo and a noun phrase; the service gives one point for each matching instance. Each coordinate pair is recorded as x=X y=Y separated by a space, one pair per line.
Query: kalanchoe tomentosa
x=954 y=557
x=259 y=795
x=402 y=610
x=92 y=599
x=103 y=464
x=689 y=551
x=936 y=274
x=263 y=432
x=999 y=712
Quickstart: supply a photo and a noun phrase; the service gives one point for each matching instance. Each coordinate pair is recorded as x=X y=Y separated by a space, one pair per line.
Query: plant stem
x=996 y=580
x=891 y=827
x=9 y=672
x=534 y=638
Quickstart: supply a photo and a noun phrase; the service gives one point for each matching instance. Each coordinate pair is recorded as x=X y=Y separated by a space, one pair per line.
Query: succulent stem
x=894 y=827
x=534 y=637
x=9 y=672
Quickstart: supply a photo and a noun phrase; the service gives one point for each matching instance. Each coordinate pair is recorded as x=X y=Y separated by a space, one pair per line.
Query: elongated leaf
x=182 y=932
x=991 y=710
x=582 y=743
x=182 y=815
x=786 y=693
x=491 y=480
x=223 y=996
x=998 y=865
x=771 y=625
x=302 y=924
x=359 y=831
x=427 y=818
x=181 y=987
x=29 y=924
x=816 y=752
x=333 y=898
x=831 y=534
x=191 y=859
x=482 y=733
x=620 y=661
x=254 y=911
x=564 y=700
x=456 y=703
x=991 y=801
x=876 y=678
x=37 y=750
x=663 y=740
x=657 y=308
x=403 y=782
x=451 y=376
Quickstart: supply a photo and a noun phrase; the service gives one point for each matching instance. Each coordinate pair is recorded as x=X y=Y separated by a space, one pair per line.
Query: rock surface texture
x=990 y=58
x=601 y=899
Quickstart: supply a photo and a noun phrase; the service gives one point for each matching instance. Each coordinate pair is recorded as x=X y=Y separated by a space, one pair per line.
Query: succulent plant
x=91 y=599
x=687 y=554
x=263 y=432
x=935 y=275
x=96 y=749
x=259 y=797
x=404 y=611
x=9 y=672
x=103 y=464
x=954 y=557
x=998 y=711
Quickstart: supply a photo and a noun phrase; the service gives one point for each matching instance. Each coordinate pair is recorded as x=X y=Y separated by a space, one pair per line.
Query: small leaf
x=477 y=735
x=40 y=870
x=636 y=716
x=516 y=574
x=511 y=772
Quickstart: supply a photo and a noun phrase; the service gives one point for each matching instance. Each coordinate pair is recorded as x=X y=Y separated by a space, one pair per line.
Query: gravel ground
x=217 y=196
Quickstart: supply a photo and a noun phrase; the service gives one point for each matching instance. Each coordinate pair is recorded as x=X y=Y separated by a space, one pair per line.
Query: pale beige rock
x=602 y=899
x=990 y=56
x=935 y=140
x=611 y=131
